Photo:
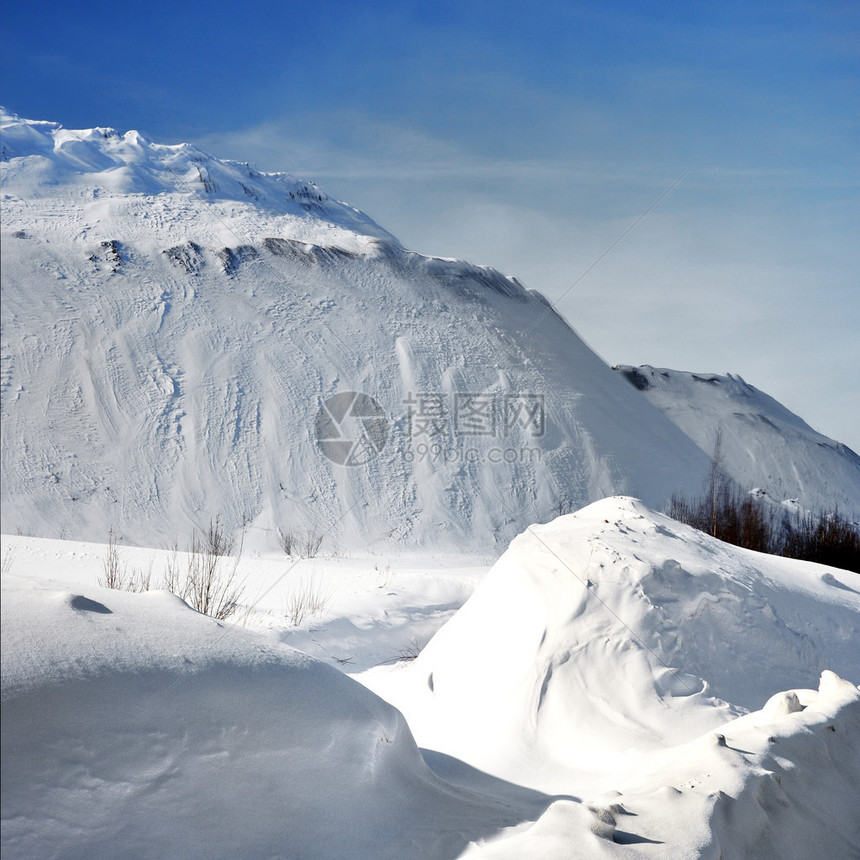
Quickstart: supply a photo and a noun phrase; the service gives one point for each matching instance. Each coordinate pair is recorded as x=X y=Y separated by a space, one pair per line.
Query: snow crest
x=613 y=633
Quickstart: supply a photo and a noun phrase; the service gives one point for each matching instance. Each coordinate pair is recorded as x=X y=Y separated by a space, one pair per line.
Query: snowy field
x=615 y=685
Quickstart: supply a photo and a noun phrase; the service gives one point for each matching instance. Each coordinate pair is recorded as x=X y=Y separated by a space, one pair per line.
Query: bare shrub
x=727 y=513
x=173 y=580
x=112 y=574
x=730 y=515
x=207 y=581
x=828 y=538
x=210 y=585
x=311 y=544
x=384 y=575
x=288 y=543
x=305 y=545
x=410 y=651
x=407 y=653
x=6 y=565
x=138 y=579
x=308 y=598
x=117 y=573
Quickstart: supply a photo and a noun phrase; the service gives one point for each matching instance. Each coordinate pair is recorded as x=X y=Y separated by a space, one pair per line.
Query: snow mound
x=43 y=159
x=762 y=444
x=770 y=786
x=134 y=726
x=659 y=685
x=614 y=633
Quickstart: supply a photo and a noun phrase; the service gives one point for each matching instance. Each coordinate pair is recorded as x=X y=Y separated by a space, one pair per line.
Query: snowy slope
x=134 y=727
x=762 y=444
x=778 y=784
x=607 y=636
x=172 y=323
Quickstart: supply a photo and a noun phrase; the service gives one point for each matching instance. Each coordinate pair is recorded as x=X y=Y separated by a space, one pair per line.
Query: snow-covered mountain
x=184 y=338
x=173 y=324
x=763 y=445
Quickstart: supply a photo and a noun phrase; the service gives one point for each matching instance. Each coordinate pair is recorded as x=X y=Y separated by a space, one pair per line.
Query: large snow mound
x=132 y=726
x=763 y=445
x=613 y=633
x=172 y=324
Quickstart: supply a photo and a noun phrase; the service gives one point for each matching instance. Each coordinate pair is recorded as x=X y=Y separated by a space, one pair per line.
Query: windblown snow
x=612 y=632
x=132 y=726
x=617 y=686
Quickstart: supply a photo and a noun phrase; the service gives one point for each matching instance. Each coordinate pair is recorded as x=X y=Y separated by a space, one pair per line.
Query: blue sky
x=530 y=137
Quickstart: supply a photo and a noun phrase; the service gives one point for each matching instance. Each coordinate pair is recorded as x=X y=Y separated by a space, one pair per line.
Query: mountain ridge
x=762 y=444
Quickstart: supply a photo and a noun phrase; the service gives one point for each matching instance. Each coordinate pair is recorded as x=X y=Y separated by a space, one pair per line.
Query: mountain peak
x=43 y=159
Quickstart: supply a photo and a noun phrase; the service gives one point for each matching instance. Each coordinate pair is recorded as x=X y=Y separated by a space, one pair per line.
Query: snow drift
x=132 y=726
x=677 y=698
x=779 y=783
x=619 y=659
x=613 y=633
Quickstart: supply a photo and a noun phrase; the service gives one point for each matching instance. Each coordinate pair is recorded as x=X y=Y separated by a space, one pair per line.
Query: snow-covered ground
x=615 y=685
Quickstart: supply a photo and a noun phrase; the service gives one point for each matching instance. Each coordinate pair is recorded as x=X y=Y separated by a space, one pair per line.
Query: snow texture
x=618 y=685
x=632 y=628
x=132 y=726
x=763 y=446
x=173 y=322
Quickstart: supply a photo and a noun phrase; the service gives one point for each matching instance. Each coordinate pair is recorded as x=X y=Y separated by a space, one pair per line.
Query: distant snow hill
x=173 y=325
x=762 y=444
